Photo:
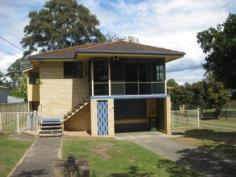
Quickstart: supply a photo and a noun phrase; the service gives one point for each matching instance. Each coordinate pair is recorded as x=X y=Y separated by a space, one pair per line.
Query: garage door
x=130 y=115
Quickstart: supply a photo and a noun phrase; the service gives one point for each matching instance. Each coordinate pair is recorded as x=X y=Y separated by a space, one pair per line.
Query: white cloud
x=6 y=60
x=165 y=23
x=183 y=76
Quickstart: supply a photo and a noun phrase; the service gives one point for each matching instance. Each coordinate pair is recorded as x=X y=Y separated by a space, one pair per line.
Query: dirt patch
x=103 y=150
x=2 y=167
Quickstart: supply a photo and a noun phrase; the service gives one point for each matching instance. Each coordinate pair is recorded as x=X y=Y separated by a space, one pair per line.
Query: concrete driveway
x=156 y=142
x=199 y=160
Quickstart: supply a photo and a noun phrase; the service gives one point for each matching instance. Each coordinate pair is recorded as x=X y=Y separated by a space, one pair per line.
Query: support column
x=93 y=107
x=111 y=122
x=109 y=77
x=94 y=117
x=92 y=79
x=167 y=107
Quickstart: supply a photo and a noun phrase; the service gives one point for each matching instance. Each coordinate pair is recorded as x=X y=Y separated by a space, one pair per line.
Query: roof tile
x=112 y=47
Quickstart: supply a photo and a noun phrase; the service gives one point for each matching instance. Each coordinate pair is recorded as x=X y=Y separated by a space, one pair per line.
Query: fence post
x=35 y=120
x=172 y=120
x=198 y=118
x=1 y=122
x=18 y=123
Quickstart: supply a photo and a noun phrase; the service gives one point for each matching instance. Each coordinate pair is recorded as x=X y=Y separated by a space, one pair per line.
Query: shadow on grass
x=175 y=170
x=172 y=169
x=32 y=173
x=216 y=136
x=133 y=171
x=216 y=158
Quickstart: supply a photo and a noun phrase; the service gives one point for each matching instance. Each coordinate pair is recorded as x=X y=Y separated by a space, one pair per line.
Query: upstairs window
x=33 y=77
x=159 y=72
x=73 y=70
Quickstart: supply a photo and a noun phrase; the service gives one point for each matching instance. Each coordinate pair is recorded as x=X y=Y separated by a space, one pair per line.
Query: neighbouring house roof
x=116 y=47
x=26 y=70
x=3 y=87
x=12 y=99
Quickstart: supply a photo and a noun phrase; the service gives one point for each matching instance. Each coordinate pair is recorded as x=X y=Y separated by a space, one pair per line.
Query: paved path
x=198 y=159
x=39 y=160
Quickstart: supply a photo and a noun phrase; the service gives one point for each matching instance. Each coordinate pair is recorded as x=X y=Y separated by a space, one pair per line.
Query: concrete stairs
x=51 y=127
x=76 y=109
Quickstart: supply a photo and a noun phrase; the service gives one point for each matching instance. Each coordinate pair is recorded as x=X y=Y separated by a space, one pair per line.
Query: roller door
x=130 y=115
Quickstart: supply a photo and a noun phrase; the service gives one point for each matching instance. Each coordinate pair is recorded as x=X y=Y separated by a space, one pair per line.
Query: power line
x=5 y=40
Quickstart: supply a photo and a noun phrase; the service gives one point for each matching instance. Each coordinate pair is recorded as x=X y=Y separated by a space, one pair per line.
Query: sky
x=170 y=24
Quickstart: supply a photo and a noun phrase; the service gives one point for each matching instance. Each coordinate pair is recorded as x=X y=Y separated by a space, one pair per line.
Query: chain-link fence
x=185 y=119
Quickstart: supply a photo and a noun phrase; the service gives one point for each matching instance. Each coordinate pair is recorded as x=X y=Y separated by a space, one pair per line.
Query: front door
x=102 y=117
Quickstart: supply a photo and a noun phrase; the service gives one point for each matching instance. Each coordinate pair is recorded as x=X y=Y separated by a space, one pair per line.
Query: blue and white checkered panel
x=102 y=116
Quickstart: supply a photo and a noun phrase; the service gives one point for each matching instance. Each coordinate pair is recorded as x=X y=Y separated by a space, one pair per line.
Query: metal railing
x=16 y=122
x=185 y=119
x=129 y=88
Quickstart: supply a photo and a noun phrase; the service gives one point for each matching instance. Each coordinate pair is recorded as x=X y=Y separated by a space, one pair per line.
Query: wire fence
x=11 y=122
x=185 y=119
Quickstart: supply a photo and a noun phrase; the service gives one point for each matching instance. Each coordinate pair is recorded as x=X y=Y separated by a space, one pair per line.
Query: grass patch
x=11 y=150
x=217 y=136
x=112 y=158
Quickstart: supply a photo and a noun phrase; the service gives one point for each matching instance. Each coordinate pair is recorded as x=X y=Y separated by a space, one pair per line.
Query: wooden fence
x=14 y=107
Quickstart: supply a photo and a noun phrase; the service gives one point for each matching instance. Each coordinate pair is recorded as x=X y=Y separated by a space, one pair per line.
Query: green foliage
x=1 y=78
x=219 y=45
x=21 y=90
x=59 y=24
x=198 y=98
x=178 y=96
x=200 y=95
x=217 y=96
x=15 y=70
x=171 y=83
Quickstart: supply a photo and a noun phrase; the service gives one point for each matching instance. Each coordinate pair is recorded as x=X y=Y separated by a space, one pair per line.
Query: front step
x=51 y=127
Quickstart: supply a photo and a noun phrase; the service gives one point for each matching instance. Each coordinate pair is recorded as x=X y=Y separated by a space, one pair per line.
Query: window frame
x=74 y=70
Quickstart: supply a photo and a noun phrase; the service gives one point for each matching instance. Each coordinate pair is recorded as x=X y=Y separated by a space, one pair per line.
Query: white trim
x=109 y=76
x=92 y=80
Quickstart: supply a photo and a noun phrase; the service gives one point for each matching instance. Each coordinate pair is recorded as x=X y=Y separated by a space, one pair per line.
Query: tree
x=59 y=24
x=199 y=90
x=171 y=83
x=178 y=96
x=21 y=90
x=1 y=78
x=111 y=37
x=217 y=96
x=14 y=71
x=219 y=45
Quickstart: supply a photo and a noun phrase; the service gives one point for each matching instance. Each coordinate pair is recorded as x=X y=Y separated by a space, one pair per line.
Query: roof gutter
x=130 y=52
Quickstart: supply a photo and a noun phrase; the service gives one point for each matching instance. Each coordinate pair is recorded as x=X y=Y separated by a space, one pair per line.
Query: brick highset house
x=103 y=88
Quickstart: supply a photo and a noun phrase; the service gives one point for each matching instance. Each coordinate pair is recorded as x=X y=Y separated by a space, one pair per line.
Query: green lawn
x=113 y=158
x=11 y=150
x=216 y=135
x=224 y=124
